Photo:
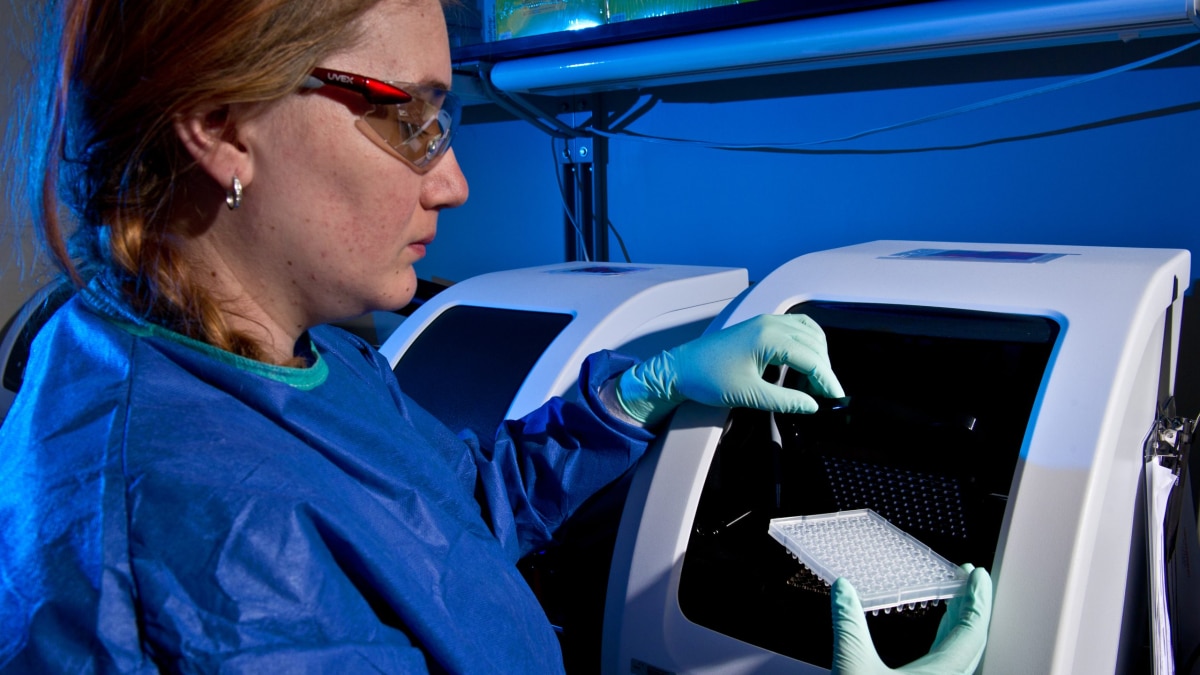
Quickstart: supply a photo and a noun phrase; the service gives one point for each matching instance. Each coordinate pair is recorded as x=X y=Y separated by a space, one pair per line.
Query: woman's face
x=330 y=224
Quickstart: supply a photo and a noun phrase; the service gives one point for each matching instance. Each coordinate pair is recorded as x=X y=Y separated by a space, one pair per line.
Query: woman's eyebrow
x=434 y=83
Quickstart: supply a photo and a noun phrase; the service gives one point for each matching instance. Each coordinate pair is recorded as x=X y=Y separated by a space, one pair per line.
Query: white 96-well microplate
x=887 y=566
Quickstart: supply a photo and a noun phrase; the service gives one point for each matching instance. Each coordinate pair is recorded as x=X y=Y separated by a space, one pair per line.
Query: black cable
x=522 y=109
x=624 y=251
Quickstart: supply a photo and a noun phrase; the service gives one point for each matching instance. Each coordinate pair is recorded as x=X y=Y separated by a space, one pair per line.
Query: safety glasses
x=412 y=122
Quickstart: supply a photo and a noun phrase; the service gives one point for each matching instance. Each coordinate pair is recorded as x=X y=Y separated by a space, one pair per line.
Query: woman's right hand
x=957 y=648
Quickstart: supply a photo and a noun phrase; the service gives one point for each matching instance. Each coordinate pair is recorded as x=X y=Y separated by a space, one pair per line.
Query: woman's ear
x=211 y=137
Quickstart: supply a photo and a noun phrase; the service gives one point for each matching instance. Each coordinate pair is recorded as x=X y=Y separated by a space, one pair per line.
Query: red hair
x=123 y=72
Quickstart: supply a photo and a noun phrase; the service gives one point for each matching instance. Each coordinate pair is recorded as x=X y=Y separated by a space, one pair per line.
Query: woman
x=199 y=474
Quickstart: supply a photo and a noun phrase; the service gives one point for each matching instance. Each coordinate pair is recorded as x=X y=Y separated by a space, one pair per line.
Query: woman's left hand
x=726 y=369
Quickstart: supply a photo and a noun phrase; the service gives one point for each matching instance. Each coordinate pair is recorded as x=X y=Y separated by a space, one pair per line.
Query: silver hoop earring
x=233 y=198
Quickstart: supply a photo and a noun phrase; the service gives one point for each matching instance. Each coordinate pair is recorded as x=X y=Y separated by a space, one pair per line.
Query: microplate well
x=887 y=566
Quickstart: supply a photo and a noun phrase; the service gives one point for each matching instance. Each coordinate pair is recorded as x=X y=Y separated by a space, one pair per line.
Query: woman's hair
x=102 y=142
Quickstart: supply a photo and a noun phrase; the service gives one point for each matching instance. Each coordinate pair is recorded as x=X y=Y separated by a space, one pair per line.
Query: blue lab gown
x=167 y=506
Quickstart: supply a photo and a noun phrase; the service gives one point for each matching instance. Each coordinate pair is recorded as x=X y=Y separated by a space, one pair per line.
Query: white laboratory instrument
x=498 y=345
x=1000 y=397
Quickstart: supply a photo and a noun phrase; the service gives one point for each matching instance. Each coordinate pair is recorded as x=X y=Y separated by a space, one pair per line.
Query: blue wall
x=1110 y=162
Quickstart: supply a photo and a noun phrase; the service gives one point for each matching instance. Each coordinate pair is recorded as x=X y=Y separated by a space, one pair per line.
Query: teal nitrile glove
x=957 y=648
x=726 y=369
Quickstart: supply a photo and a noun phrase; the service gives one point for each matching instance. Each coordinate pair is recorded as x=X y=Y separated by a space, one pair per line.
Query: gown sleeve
x=541 y=468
